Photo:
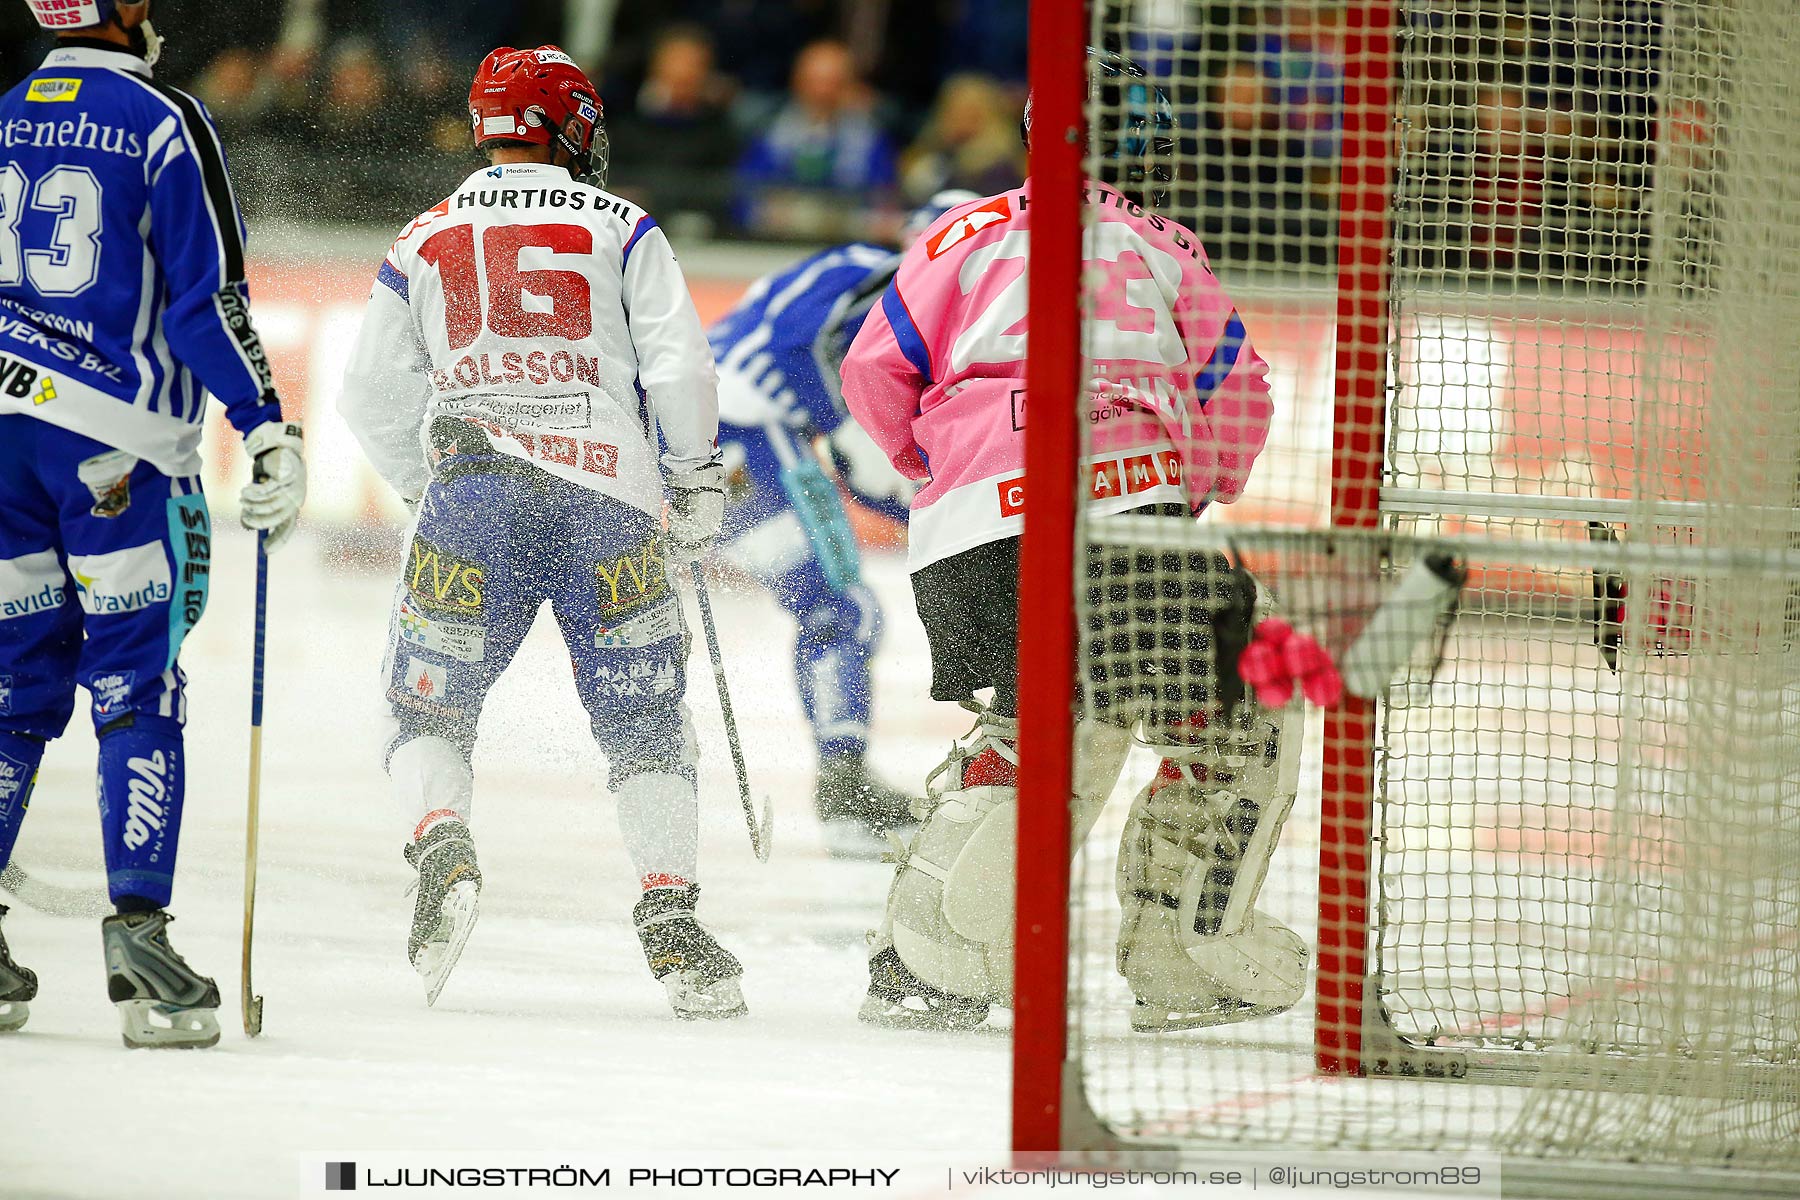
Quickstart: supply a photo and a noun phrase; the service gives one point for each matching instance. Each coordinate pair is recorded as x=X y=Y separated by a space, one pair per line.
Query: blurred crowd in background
x=815 y=120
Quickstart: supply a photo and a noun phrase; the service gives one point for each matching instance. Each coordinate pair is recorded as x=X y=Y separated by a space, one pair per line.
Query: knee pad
x=1195 y=852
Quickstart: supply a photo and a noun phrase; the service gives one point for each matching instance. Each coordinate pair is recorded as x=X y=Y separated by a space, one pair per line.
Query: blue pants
x=495 y=539
x=104 y=564
x=781 y=532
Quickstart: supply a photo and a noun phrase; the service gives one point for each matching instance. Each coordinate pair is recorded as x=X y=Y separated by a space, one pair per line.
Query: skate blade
x=13 y=1015
x=938 y=1018
x=720 y=1000
x=1150 y=1018
x=151 y=1025
x=437 y=959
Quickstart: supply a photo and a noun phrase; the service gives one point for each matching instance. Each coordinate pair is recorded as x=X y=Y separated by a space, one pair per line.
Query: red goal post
x=1060 y=33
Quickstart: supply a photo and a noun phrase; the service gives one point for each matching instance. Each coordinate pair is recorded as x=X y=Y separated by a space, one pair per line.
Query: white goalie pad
x=950 y=913
x=1196 y=849
x=951 y=905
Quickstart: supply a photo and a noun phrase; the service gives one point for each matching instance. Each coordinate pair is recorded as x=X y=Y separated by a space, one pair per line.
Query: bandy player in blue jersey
x=122 y=305
x=778 y=355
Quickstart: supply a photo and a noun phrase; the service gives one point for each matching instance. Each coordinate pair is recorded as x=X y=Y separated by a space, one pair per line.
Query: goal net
x=1526 y=278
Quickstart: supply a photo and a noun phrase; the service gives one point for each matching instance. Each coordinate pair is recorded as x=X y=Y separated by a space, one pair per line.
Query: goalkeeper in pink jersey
x=1178 y=410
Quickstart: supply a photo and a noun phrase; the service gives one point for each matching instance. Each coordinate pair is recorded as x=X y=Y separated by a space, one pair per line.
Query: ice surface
x=551 y=1035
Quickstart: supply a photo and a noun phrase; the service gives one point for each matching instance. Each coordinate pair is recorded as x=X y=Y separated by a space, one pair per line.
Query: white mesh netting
x=1582 y=857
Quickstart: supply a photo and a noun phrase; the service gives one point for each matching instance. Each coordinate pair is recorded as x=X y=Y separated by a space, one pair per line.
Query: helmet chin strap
x=145 y=41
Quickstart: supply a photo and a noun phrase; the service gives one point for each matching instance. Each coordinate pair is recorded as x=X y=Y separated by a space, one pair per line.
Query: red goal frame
x=1044 y=1078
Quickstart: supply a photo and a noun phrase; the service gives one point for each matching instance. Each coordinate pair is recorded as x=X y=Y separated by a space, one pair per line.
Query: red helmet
x=540 y=97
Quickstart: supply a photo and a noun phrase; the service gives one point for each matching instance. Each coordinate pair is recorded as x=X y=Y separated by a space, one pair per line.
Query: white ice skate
x=449 y=898
x=700 y=976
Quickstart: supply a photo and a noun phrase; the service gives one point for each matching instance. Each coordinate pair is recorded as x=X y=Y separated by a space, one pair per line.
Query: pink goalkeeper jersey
x=1177 y=400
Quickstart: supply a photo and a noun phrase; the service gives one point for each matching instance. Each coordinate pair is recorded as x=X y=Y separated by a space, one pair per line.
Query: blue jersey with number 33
x=122 y=296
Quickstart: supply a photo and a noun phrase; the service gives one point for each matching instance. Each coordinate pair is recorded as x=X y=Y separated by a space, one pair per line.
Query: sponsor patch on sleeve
x=969 y=224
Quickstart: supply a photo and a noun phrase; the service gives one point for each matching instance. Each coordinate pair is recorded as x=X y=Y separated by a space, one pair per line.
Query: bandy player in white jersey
x=1178 y=410
x=525 y=341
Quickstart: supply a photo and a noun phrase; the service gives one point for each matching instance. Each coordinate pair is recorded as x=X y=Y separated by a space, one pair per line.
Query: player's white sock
x=659 y=818
x=429 y=776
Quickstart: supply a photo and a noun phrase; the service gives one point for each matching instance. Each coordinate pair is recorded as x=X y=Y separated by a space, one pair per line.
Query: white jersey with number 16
x=553 y=316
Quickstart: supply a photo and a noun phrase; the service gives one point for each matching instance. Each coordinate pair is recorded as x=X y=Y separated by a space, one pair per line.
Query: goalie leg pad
x=960 y=862
x=1196 y=849
x=951 y=908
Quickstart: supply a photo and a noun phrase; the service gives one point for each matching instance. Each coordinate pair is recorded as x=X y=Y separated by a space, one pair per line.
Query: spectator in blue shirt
x=824 y=139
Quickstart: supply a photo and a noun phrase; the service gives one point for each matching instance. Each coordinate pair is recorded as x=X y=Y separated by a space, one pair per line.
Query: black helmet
x=1136 y=126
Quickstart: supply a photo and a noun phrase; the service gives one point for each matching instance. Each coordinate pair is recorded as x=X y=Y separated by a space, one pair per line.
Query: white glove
x=271 y=500
x=866 y=469
x=696 y=508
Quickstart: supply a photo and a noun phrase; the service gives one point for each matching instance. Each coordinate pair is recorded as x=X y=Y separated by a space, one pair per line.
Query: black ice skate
x=449 y=892
x=162 y=1001
x=18 y=985
x=858 y=810
x=700 y=975
x=899 y=999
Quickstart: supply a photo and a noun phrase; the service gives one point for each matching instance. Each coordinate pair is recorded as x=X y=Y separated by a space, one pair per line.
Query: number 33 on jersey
x=552 y=315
